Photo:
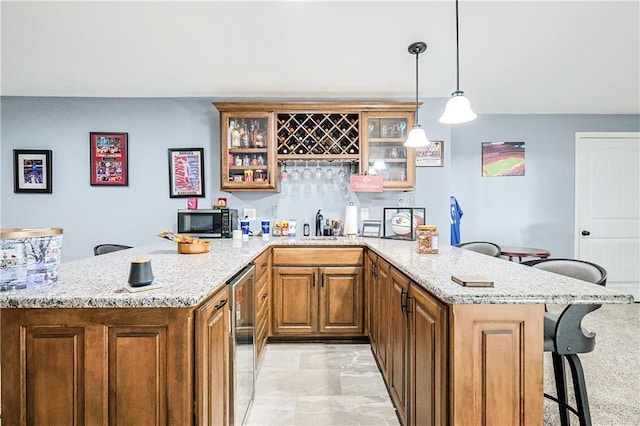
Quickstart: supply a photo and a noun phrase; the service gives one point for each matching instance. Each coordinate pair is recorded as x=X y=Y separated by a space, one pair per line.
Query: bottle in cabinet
x=234 y=135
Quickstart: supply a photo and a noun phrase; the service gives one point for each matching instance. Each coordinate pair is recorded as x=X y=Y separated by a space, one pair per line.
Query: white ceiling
x=516 y=56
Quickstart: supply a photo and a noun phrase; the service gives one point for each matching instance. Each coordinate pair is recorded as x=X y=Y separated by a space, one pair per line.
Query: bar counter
x=188 y=279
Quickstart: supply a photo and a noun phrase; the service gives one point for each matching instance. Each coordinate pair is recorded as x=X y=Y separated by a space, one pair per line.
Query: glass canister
x=427 y=237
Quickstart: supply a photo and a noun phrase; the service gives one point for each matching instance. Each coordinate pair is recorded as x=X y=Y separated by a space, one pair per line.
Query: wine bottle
x=244 y=136
x=235 y=135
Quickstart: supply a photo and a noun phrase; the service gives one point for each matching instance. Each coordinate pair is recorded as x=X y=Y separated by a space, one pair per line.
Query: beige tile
x=320 y=384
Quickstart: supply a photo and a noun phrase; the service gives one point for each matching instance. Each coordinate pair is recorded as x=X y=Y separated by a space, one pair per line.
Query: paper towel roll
x=351 y=220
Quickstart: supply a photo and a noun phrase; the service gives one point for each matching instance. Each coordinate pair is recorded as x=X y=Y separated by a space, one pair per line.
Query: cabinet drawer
x=309 y=256
x=262 y=263
x=262 y=293
x=261 y=318
x=261 y=339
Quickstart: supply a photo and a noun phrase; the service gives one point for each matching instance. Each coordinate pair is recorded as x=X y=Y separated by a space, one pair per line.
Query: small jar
x=427 y=237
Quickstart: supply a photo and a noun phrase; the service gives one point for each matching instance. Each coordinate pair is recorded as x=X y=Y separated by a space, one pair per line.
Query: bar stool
x=108 y=248
x=484 y=247
x=565 y=337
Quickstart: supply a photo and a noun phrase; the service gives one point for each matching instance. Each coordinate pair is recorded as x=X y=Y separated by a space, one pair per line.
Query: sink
x=319 y=238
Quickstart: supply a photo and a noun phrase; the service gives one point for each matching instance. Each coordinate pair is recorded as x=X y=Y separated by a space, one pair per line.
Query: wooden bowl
x=195 y=248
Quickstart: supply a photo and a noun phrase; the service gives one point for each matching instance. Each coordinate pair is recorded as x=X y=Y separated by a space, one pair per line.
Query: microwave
x=208 y=223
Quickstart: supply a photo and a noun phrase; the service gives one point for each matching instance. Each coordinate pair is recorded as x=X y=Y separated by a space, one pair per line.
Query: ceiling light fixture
x=458 y=109
x=417 y=137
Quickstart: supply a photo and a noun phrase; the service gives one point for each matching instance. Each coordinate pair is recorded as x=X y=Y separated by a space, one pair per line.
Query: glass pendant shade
x=416 y=138
x=458 y=110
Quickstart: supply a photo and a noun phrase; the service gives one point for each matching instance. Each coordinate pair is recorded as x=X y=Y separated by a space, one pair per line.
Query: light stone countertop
x=187 y=280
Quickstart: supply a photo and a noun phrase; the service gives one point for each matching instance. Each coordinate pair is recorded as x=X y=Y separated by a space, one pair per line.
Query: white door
x=607 y=206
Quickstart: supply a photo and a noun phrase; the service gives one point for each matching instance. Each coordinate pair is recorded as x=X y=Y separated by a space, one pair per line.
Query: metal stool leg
x=561 y=387
x=580 y=389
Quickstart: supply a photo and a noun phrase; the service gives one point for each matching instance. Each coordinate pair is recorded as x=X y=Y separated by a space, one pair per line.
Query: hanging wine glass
x=328 y=173
x=284 y=175
x=295 y=173
x=342 y=173
x=318 y=171
x=306 y=173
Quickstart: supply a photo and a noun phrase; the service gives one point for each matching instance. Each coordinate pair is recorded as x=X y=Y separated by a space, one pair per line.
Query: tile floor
x=320 y=384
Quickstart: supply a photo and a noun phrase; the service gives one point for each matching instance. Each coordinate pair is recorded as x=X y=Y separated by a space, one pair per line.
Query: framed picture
x=32 y=171
x=186 y=172
x=109 y=159
x=431 y=155
x=502 y=158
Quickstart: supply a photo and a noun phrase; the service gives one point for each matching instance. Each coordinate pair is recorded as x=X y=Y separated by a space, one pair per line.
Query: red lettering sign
x=366 y=183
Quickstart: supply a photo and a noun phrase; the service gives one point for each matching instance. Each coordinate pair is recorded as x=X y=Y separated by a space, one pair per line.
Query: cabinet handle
x=221 y=304
x=403 y=300
x=313 y=279
x=322 y=279
x=264 y=296
x=264 y=264
x=408 y=309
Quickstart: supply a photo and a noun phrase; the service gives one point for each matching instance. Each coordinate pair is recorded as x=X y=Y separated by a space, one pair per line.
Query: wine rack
x=318 y=135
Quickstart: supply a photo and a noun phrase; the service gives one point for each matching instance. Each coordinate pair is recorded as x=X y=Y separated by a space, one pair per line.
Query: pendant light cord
x=416 y=117
x=457 y=52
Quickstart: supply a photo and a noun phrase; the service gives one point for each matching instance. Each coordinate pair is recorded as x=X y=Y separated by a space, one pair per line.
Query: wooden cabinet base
x=496 y=364
x=97 y=366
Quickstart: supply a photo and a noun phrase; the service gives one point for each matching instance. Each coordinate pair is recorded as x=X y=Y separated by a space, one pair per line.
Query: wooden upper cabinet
x=383 y=152
x=247 y=152
x=255 y=136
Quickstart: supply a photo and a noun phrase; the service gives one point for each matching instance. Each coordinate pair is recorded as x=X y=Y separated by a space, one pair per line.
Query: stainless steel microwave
x=208 y=223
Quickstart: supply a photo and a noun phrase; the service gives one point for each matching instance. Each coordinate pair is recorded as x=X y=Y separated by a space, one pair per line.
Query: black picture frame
x=32 y=171
x=186 y=172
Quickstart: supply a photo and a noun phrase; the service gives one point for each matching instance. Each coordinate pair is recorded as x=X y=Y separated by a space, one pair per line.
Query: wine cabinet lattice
x=318 y=135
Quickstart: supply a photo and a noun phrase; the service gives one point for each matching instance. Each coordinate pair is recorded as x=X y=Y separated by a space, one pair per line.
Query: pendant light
x=458 y=109
x=417 y=137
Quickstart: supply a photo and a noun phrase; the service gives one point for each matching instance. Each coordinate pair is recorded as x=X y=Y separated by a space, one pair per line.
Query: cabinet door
x=212 y=361
x=295 y=301
x=262 y=314
x=428 y=359
x=399 y=342
x=370 y=324
x=247 y=152
x=97 y=366
x=383 y=149
x=382 y=294
x=341 y=296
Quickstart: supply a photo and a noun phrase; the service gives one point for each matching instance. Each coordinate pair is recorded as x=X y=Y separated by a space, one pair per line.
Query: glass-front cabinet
x=383 y=153
x=248 y=154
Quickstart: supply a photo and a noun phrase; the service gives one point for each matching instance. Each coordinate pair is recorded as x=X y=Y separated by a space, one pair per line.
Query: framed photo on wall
x=109 y=159
x=32 y=171
x=186 y=172
x=503 y=159
x=431 y=155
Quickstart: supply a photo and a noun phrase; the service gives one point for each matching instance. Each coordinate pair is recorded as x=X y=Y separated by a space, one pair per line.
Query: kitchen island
x=93 y=352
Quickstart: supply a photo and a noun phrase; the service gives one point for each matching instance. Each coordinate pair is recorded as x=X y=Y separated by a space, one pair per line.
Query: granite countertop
x=187 y=280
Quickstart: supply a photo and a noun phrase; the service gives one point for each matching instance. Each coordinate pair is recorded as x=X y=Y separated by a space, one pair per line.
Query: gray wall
x=536 y=209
